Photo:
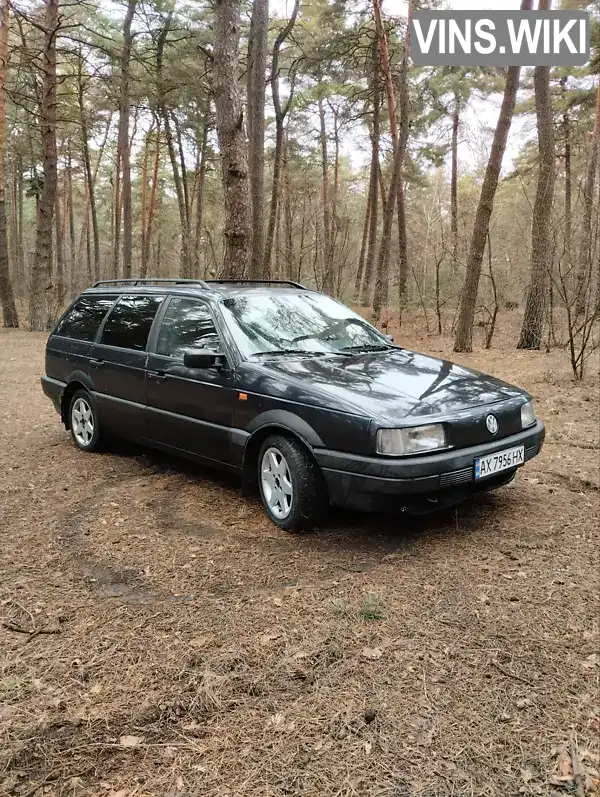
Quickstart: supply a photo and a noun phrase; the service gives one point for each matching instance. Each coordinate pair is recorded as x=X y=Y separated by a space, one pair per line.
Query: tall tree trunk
x=147 y=232
x=360 y=269
x=373 y=181
x=158 y=254
x=275 y=194
x=42 y=263
x=180 y=190
x=396 y=191
x=91 y=212
x=464 y=329
x=117 y=216
x=232 y=142
x=454 y=181
x=568 y=175
x=88 y=166
x=158 y=205
x=84 y=236
x=334 y=217
x=382 y=193
x=13 y=242
x=257 y=64
x=184 y=268
x=541 y=236
x=71 y=214
x=288 y=219
x=303 y=233
x=10 y=209
x=326 y=198
x=124 y=145
x=399 y=138
x=402 y=234
x=200 y=196
x=277 y=272
x=404 y=104
x=88 y=248
x=18 y=203
x=381 y=266
x=584 y=272
x=7 y=297
x=144 y=204
x=281 y=112
x=179 y=178
x=60 y=260
x=184 y=174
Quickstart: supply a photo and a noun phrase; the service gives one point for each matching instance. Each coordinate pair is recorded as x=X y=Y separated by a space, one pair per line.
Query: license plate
x=502 y=460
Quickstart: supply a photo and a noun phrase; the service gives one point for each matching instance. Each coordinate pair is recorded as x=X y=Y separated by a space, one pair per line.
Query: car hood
x=394 y=386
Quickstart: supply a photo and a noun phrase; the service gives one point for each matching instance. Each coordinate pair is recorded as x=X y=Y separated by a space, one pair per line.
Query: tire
x=294 y=494
x=83 y=422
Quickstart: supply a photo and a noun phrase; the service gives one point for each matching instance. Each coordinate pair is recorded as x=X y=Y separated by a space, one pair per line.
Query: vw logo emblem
x=492 y=424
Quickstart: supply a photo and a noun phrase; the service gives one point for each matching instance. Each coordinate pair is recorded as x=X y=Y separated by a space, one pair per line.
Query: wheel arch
x=276 y=422
x=78 y=381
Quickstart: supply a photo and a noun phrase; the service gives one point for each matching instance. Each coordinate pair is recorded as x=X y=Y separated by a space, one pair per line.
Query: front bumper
x=366 y=482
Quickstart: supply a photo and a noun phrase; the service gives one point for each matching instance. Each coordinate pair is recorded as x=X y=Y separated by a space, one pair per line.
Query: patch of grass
x=371 y=609
x=339 y=606
x=10 y=686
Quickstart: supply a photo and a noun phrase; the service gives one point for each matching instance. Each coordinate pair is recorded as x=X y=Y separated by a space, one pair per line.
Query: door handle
x=158 y=376
x=96 y=363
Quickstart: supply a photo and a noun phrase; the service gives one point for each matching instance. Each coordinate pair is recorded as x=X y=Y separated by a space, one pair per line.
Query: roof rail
x=289 y=283
x=150 y=281
x=135 y=281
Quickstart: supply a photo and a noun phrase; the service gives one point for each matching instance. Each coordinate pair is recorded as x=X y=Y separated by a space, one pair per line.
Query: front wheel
x=291 y=484
x=83 y=418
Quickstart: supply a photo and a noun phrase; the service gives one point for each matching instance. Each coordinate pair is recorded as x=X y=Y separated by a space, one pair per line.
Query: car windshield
x=284 y=323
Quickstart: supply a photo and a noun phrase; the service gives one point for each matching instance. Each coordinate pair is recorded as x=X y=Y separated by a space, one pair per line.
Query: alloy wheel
x=276 y=483
x=82 y=422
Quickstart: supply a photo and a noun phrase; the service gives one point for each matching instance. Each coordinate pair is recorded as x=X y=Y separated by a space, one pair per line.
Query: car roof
x=205 y=288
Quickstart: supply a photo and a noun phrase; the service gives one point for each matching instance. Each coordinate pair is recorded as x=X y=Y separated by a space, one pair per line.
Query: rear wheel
x=291 y=484
x=83 y=420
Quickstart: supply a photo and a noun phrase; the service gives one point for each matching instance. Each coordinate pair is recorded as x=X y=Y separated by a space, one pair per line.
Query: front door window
x=187 y=326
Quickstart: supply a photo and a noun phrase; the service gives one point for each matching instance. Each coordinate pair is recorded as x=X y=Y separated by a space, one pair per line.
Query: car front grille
x=463 y=476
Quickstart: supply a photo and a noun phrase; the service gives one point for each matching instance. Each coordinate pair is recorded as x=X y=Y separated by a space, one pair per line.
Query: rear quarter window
x=83 y=319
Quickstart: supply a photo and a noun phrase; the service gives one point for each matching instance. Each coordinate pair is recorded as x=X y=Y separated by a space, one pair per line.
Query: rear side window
x=128 y=325
x=81 y=322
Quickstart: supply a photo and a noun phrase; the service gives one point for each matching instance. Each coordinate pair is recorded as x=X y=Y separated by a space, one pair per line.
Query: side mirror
x=390 y=338
x=196 y=359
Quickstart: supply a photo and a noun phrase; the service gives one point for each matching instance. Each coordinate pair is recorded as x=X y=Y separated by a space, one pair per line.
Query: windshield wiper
x=306 y=353
x=289 y=351
x=367 y=347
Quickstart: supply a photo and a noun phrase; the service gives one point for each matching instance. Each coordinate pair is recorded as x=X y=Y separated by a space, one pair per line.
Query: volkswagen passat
x=290 y=389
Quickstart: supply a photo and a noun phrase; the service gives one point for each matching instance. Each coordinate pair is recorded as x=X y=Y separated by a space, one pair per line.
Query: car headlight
x=527 y=415
x=413 y=440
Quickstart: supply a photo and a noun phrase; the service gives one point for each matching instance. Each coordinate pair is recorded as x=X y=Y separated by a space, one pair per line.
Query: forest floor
x=181 y=645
